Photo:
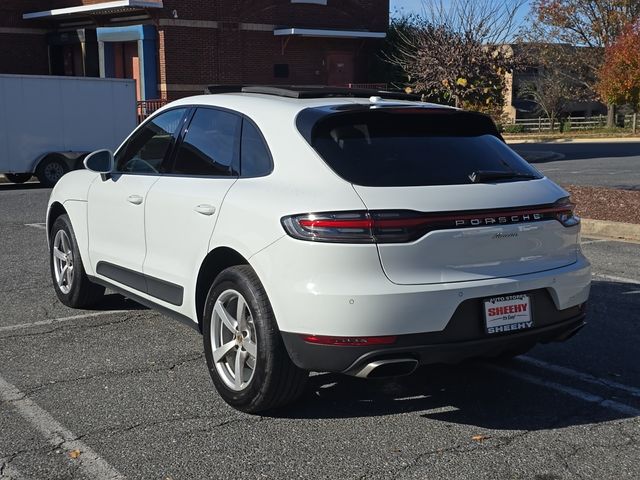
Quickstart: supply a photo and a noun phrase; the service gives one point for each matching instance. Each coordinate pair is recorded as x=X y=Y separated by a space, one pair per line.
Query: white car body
x=168 y=227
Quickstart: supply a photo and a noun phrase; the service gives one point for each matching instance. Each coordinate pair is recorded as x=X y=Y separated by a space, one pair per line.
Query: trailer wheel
x=50 y=170
x=18 y=177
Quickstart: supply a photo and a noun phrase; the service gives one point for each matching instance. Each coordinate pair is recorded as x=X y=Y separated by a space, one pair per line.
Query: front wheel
x=72 y=286
x=247 y=359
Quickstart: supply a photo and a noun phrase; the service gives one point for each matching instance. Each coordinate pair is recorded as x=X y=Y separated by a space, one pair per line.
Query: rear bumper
x=463 y=338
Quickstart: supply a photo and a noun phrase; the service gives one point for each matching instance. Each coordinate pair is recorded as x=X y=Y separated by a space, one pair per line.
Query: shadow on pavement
x=474 y=393
x=581 y=151
x=115 y=301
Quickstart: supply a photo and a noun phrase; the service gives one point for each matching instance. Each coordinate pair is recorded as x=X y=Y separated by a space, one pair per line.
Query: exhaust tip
x=393 y=367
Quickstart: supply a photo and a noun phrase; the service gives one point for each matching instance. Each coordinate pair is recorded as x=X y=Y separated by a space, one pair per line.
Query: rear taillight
x=357 y=227
x=565 y=212
x=401 y=226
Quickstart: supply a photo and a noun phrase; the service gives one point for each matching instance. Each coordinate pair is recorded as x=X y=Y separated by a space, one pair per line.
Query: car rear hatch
x=446 y=199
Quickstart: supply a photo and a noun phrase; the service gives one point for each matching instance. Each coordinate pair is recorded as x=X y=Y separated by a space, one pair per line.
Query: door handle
x=205 y=209
x=135 y=199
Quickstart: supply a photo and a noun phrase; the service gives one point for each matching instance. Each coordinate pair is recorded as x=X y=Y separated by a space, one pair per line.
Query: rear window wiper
x=480 y=176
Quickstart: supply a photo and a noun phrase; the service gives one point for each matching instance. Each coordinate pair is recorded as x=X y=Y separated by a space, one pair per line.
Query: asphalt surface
x=604 y=164
x=123 y=391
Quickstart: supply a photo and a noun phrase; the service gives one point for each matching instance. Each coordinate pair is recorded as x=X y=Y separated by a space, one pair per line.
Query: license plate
x=508 y=314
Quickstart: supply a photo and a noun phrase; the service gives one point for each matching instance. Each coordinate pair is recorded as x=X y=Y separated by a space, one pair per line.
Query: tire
x=72 y=286
x=18 y=177
x=268 y=378
x=50 y=170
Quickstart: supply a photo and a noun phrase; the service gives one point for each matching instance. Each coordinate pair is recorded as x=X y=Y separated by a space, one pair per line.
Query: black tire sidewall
x=267 y=334
x=18 y=178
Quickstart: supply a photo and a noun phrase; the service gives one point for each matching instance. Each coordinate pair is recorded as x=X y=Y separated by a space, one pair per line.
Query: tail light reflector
x=348 y=341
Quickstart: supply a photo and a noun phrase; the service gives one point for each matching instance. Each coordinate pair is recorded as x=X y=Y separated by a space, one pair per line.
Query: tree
x=455 y=51
x=619 y=77
x=585 y=23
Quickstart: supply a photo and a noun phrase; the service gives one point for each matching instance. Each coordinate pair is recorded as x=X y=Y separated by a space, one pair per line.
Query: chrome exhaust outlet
x=393 y=367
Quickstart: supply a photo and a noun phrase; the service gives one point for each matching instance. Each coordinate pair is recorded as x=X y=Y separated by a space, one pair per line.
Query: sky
x=414 y=6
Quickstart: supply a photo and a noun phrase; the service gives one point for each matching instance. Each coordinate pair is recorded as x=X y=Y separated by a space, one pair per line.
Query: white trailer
x=48 y=124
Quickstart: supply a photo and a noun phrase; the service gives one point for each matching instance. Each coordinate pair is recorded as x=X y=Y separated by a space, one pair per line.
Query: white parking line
x=585 y=377
x=43 y=226
x=90 y=464
x=615 y=278
x=53 y=321
x=573 y=392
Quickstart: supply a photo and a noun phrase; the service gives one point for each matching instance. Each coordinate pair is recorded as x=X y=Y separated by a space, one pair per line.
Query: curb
x=516 y=140
x=612 y=230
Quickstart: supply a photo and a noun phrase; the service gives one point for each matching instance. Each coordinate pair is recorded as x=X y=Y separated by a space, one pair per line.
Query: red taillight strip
x=324 y=223
x=348 y=341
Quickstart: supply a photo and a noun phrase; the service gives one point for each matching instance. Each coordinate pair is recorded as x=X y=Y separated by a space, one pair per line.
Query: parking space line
x=615 y=278
x=43 y=226
x=53 y=321
x=573 y=392
x=585 y=377
x=89 y=462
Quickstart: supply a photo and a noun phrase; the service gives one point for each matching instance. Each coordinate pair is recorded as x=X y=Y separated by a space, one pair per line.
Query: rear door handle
x=135 y=199
x=205 y=209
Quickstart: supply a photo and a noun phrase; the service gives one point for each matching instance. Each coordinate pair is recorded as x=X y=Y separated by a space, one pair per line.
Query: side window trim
x=185 y=129
x=170 y=161
x=172 y=147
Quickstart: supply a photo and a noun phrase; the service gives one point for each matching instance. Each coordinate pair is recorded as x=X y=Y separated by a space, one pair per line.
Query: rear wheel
x=18 y=177
x=50 y=170
x=72 y=286
x=247 y=360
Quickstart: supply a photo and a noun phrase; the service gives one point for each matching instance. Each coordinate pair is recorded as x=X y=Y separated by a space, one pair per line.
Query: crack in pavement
x=108 y=374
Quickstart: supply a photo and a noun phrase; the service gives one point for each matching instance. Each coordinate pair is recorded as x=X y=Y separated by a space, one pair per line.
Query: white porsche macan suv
x=319 y=229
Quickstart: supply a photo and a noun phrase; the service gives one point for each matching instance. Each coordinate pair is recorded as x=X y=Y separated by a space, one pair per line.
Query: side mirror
x=100 y=161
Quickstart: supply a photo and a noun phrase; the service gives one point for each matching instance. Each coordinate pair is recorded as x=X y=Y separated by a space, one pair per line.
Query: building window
x=281 y=70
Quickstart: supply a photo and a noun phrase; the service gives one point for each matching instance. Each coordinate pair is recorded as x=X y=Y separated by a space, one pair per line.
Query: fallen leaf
x=479 y=438
x=74 y=453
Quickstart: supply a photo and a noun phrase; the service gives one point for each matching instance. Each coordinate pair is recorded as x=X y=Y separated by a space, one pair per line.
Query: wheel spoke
x=241 y=313
x=220 y=352
x=65 y=244
x=63 y=275
x=239 y=368
x=69 y=275
x=227 y=319
x=59 y=255
x=251 y=348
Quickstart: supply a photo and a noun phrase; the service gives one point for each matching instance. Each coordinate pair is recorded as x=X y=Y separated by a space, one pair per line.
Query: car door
x=183 y=206
x=116 y=207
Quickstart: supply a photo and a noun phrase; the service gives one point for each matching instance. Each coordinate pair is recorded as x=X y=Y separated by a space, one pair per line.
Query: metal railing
x=147 y=107
x=543 y=124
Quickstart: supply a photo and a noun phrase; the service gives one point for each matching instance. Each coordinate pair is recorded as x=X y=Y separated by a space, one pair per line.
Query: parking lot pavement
x=122 y=391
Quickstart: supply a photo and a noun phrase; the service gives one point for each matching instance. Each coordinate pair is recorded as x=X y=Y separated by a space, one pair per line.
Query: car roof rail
x=310 y=91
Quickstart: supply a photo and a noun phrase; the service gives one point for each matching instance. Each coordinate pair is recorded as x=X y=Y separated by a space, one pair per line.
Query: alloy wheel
x=233 y=340
x=63 y=261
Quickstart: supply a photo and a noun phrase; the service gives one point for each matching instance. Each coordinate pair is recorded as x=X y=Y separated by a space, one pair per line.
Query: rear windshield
x=415 y=147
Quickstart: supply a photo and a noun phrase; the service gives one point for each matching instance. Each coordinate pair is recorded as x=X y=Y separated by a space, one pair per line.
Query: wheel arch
x=55 y=210
x=215 y=262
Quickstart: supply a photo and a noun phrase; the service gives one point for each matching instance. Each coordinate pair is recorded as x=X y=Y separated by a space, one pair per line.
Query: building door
x=127 y=62
x=340 y=66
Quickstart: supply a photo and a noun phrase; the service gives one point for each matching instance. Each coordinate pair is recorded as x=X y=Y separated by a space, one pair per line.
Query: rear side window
x=255 y=159
x=414 y=147
x=210 y=145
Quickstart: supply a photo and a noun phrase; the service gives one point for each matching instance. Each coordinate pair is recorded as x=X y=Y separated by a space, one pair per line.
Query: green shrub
x=513 y=128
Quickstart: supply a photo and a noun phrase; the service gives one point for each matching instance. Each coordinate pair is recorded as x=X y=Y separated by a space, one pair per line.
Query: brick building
x=174 y=48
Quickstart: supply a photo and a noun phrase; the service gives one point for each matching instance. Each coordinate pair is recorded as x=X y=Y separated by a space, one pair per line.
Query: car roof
x=251 y=103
